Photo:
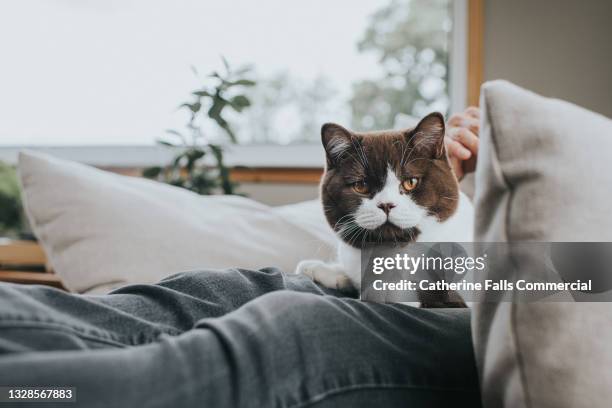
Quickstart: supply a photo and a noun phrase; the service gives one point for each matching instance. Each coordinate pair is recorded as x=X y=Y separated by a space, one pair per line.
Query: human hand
x=461 y=141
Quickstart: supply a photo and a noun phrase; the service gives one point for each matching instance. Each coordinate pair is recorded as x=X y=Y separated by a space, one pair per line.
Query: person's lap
x=235 y=338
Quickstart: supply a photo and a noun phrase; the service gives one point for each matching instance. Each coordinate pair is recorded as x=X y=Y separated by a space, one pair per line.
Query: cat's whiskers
x=359 y=149
x=404 y=149
x=348 y=229
x=350 y=238
x=419 y=158
x=414 y=149
x=345 y=230
x=403 y=153
x=340 y=220
x=362 y=232
x=355 y=235
x=363 y=240
x=394 y=239
x=378 y=160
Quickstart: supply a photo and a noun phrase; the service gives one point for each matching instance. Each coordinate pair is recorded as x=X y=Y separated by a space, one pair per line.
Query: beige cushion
x=99 y=228
x=543 y=175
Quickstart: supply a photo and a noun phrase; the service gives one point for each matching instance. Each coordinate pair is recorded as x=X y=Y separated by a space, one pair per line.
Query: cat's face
x=378 y=187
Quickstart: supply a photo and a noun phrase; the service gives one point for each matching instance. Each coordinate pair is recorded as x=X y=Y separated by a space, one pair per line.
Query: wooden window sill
x=25 y=262
x=273 y=175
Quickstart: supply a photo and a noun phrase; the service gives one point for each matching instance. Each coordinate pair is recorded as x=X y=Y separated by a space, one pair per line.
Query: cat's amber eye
x=360 y=187
x=410 y=183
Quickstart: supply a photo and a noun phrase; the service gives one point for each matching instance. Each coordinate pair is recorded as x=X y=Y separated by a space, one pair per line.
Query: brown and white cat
x=387 y=187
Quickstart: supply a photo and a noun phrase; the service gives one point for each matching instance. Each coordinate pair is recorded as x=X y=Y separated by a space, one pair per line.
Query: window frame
x=465 y=77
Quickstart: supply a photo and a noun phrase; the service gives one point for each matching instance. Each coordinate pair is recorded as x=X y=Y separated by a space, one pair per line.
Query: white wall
x=559 y=48
x=279 y=193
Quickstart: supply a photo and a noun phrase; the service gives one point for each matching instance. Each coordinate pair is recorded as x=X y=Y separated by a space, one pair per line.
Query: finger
x=456 y=120
x=473 y=111
x=463 y=121
x=457 y=166
x=465 y=137
x=455 y=149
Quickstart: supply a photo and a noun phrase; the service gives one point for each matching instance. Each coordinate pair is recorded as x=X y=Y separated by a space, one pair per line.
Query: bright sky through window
x=90 y=72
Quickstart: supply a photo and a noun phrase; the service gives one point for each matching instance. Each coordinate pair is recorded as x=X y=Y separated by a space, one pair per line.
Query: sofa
x=542 y=176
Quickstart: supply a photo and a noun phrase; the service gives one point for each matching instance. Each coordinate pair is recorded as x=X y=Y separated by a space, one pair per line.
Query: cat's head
x=381 y=186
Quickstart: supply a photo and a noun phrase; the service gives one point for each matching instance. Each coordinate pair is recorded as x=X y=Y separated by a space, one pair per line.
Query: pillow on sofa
x=99 y=228
x=542 y=176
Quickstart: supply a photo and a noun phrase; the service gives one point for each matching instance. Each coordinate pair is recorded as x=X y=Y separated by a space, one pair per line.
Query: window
x=112 y=72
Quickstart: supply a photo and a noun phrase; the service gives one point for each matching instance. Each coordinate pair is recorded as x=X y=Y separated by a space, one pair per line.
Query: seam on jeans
x=60 y=328
x=37 y=320
x=137 y=338
x=370 y=386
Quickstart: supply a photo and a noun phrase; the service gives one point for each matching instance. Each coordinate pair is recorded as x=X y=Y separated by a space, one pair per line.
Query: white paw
x=328 y=275
x=309 y=267
x=343 y=283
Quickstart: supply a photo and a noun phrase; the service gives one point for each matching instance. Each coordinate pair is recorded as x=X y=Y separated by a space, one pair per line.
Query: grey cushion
x=543 y=175
x=99 y=228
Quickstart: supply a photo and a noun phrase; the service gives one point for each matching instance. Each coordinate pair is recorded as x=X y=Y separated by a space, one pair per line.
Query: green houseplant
x=198 y=165
x=11 y=214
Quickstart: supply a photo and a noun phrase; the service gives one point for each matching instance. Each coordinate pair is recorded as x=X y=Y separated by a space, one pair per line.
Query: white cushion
x=99 y=228
x=542 y=176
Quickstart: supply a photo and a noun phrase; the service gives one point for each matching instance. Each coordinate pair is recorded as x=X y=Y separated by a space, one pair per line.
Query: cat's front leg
x=330 y=275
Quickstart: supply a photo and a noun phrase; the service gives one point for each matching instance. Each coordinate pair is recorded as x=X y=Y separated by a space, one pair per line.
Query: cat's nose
x=386 y=207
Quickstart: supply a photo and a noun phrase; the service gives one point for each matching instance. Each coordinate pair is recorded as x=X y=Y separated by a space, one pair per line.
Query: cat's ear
x=336 y=141
x=428 y=136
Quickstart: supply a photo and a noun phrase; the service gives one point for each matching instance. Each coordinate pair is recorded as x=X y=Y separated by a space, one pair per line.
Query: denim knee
x=289 y=307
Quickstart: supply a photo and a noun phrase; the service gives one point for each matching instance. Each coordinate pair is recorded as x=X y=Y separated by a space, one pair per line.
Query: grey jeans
x=235 y=338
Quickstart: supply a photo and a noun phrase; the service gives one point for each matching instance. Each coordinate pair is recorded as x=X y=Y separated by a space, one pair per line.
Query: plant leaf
x=151 y=172
x=195 y=107
x=217 y=106
x=178 y=134
x=239 y=102
x=165 y=143
x=225 y=64
x=243 y=82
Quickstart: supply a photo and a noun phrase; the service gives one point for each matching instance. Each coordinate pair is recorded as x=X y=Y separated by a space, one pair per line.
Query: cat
x=388 y=187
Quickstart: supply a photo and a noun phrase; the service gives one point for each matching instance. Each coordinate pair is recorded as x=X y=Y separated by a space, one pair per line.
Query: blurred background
x=228 y=97
x=114 y=71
